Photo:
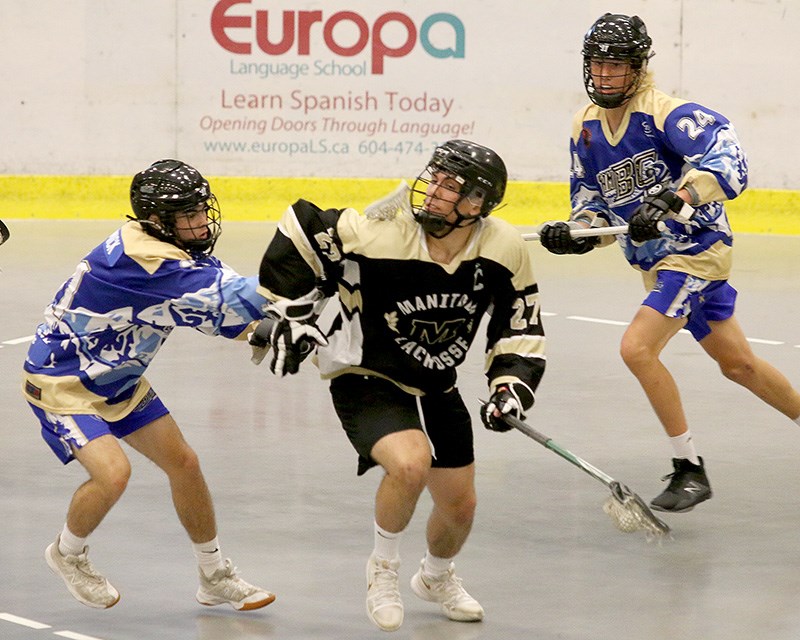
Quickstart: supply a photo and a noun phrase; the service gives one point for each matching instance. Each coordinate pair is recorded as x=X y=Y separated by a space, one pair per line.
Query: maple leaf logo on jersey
x=391 y=320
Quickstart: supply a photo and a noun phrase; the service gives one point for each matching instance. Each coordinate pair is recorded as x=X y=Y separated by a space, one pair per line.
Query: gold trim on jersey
x=290 y=226
x=351 y=300
x=148 y=251
x=703 y=185
x=525 y=346
x=67 y=395
x=648 y=100
x=368 y=372
x=713 y=264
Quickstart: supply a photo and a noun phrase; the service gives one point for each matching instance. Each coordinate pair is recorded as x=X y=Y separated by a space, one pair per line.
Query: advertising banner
x=350 y=88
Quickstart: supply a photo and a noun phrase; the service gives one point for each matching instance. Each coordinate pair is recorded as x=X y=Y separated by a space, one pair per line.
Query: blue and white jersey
x=668 y=141
x=109 y=320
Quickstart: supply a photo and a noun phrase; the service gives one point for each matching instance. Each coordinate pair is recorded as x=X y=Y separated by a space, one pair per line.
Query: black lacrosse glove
x=508 y=400
x=555 y=237
x=291 y=341
x=658 y=205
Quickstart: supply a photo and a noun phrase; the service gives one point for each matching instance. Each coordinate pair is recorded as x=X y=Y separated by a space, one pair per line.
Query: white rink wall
x=363 y=88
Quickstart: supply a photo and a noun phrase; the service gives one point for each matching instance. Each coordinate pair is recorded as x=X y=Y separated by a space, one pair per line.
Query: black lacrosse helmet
x=481 y=174
x=615 y=36
x=170 y=188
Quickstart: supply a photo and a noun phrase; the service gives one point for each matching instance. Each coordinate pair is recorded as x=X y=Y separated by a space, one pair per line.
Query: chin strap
x=434 y=225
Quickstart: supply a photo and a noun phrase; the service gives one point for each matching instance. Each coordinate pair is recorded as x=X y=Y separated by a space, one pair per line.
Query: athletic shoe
x=384 y=605
x=688 y=487
x=82 y=580
x=224 y=586
x=456 y=603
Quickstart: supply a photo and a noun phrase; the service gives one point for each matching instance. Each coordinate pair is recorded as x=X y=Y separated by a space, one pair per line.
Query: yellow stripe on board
x=768 y=211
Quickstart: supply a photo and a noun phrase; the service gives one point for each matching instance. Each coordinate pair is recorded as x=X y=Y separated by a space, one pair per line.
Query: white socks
x=684 y=447
x=387 y=544
x=434 y=566
x=208 y=555
x=69 y=544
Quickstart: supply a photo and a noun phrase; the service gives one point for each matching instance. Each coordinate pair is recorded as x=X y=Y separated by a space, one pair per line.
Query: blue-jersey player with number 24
x=663 y=166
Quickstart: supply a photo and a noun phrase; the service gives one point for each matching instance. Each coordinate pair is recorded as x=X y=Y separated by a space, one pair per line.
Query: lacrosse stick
x=626 y=509
x=390 y=205
x=590 y=232
x=5 y=234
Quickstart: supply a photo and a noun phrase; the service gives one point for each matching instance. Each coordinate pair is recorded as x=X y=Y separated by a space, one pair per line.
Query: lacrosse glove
x=508 y=400
x=646 y=222
x=291 y=342
x=555 y=237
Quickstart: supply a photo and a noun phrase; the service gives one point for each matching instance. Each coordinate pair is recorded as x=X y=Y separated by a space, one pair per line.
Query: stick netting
x=389 y=206
x=629 y=515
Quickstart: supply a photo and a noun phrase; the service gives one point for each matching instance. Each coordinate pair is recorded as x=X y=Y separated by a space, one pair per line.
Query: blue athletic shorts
x=62 y=432
x=679 y=295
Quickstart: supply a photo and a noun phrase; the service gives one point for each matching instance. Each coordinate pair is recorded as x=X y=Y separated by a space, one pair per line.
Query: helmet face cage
x=167 y=190
x=621 y=38
x=479 y=171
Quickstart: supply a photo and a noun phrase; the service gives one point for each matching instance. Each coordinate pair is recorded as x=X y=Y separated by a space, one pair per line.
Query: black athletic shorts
x=371 y=408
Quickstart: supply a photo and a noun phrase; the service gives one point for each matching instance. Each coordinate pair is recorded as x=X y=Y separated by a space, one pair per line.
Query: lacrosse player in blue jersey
x=663 y=166
x=83 y=372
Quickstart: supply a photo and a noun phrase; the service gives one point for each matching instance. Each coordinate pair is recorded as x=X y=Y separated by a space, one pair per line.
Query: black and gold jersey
x=402 y=315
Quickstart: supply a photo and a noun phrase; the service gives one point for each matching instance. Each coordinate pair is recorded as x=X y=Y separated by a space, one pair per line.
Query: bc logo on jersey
x=623 y=181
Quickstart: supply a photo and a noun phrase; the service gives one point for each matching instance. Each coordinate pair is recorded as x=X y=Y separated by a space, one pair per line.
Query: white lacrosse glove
x=291 y=342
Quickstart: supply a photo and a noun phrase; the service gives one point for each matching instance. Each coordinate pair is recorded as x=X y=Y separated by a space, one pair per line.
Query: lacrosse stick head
x=390 y=205
x=629 y=513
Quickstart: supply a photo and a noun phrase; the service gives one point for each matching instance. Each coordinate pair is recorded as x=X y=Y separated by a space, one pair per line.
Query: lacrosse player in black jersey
x=413 y=284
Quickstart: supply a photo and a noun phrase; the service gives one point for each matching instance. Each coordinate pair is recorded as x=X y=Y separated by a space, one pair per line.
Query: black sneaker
x=688 y=487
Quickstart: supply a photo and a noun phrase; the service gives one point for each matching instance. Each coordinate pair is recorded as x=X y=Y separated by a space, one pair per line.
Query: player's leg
x=383 y=424
x=162 y=442
x=109 y=471
x=87 y=439
x=454 y=502
x=727 y=345
x=451 y=483
x=662 y=314
x=449 y=525
x=641 y=347
x=405 y=458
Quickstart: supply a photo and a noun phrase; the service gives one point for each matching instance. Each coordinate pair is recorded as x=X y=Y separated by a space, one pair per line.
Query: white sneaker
x=82 y=580
x=384 y=606
x=456 y=603
x=224 y=586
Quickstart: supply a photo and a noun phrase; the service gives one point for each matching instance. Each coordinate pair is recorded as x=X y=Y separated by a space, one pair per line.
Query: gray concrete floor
x=543 y=559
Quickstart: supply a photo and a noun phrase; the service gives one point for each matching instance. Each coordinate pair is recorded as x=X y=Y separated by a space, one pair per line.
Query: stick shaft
x=547 y=442
x=591 y=232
